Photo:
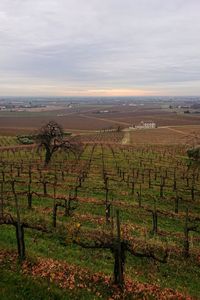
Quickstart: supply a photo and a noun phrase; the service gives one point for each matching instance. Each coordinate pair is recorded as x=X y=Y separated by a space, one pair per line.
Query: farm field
x=132 y=205
x=164 y=135
x=162 y=117
x=94 y=117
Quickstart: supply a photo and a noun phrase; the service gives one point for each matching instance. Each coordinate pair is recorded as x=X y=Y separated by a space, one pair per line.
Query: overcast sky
x=99 y=47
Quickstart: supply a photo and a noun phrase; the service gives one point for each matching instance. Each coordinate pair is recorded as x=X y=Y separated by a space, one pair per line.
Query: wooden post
x=186 y=244
x=155 y=219
x=45 y=187
x=119 y=256
x=19 y=227
x=29 y=196
x=55 y=207
x=176 y=208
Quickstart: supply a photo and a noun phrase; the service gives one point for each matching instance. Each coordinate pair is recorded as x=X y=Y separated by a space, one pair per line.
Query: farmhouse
x=144 y=125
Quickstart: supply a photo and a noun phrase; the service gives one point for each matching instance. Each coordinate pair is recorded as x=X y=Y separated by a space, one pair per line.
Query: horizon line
x=100 y=96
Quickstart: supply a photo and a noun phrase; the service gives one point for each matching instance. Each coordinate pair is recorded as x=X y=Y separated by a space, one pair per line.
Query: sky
x=99 y=47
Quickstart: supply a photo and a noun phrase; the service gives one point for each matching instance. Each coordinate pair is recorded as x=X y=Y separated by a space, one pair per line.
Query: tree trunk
x=45 y=188
x=55 y=207
x=19 y=226
x=48 y=155
x=29 y=200
x=119 y=257
x=186 y=245
x=20 y=241
x=177 y=198
x=29 y=197
x=155 y=221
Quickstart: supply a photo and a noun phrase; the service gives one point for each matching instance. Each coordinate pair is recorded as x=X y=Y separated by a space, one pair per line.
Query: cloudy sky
x=99 y=47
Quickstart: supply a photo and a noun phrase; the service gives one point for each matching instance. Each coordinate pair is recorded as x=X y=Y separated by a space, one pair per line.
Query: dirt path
x=106 y=120
x=181 y=132
x=126 y=138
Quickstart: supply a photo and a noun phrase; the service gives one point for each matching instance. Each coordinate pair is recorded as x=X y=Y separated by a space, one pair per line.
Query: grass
x=177 y=273
x=15 y=286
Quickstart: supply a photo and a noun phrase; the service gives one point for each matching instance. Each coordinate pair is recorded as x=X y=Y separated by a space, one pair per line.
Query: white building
x=144 y=125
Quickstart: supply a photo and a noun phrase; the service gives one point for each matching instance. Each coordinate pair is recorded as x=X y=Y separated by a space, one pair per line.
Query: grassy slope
x=177 y=274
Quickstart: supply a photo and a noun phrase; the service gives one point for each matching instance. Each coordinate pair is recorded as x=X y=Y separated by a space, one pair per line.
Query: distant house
x=144 y=125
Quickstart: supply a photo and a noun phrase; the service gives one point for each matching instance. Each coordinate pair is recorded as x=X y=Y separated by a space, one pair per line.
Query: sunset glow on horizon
x=99 y=47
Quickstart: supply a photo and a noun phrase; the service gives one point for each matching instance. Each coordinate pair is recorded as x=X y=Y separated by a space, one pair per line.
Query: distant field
x=188 y=129
x=162 y=119
x=24 y=122
x=91 y=117
x=164 y=135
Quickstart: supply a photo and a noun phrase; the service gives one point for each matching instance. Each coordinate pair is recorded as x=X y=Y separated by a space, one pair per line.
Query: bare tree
x=51 y=137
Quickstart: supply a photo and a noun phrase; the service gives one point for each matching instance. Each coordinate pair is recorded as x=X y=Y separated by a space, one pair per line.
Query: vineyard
x=113 y=222
x=6 y=141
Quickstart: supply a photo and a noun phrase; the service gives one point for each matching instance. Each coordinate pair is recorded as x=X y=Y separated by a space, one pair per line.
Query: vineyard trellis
x=152 y=187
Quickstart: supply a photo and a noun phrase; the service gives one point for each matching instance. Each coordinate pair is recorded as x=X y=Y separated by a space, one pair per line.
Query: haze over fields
x=176 y=118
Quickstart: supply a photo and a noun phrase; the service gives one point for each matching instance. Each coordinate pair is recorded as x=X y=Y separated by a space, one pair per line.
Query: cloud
x=148 y=45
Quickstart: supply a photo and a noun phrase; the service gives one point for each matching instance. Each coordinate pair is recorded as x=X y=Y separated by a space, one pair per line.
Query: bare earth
x=172 y=128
